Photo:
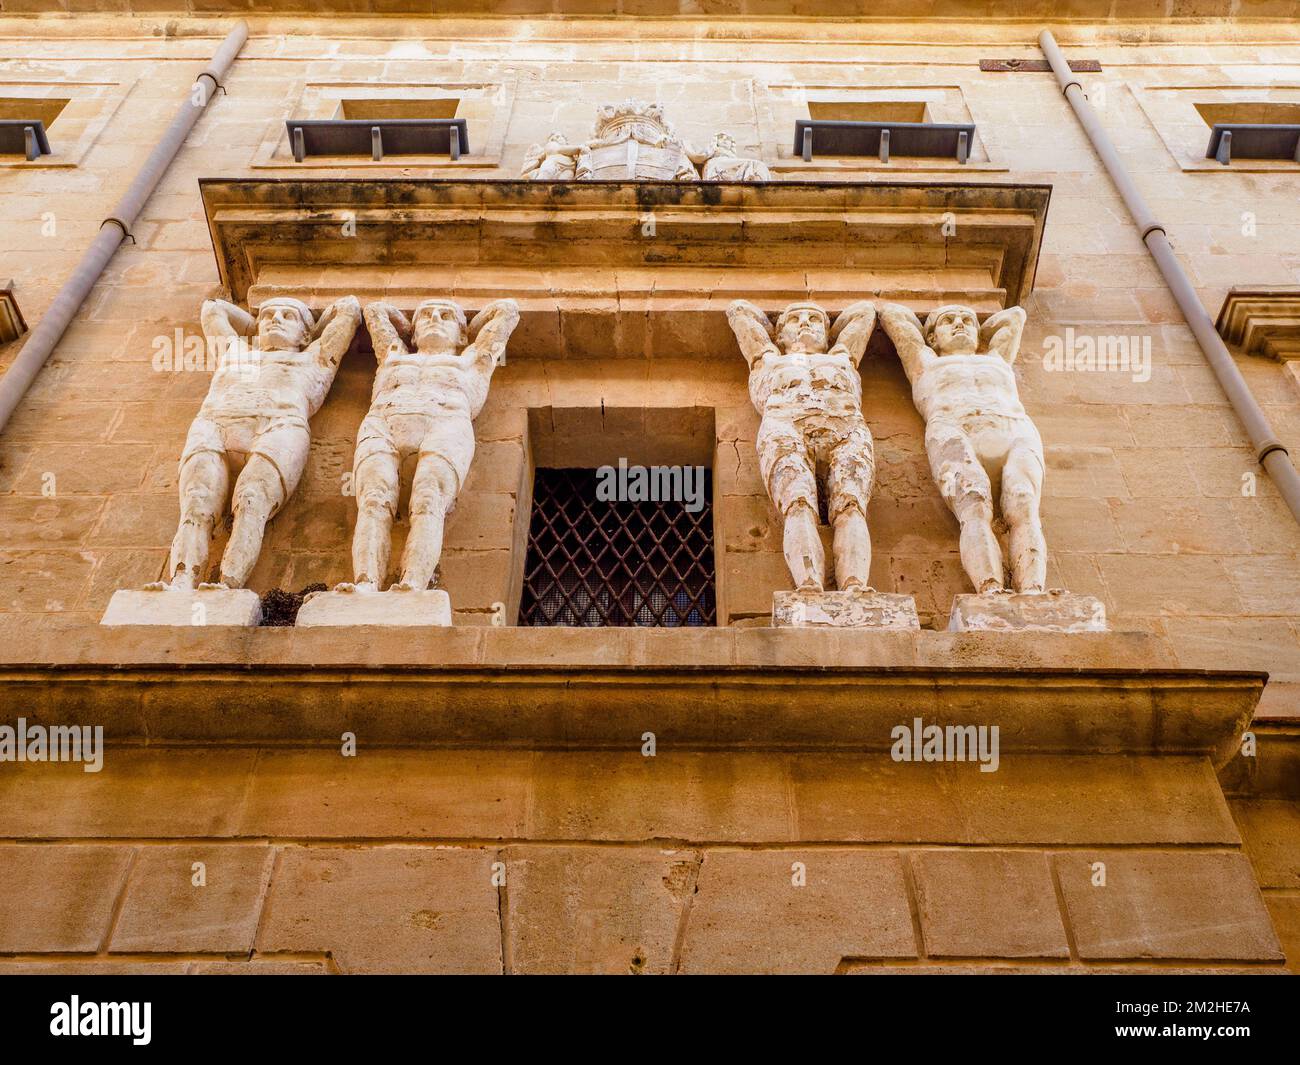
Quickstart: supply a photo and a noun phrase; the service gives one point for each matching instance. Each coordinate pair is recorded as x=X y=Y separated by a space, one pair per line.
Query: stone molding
x=1262 y=321
x=1096 y=693
x=588 y=261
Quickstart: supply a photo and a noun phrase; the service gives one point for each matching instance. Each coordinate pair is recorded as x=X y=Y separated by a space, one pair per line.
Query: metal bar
x=376 y=143
x=454 y=133
x=29 y=142
x=807 y=145
x=963 y=147
x=1270 y=452
x=1224 y=154
x=884 y=145
x=299 y=145
x=50 y=329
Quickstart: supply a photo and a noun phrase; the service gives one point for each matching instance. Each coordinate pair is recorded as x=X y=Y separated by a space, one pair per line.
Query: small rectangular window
x=869 y=110
x=42 y=109
x=598 y=562
x=1252 y=130
x=371 y=109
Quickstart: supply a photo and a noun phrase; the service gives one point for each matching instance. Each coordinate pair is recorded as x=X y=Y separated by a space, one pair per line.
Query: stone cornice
x=878 y=10
x=744 y=688
x=595 y=260
x=1262 y=321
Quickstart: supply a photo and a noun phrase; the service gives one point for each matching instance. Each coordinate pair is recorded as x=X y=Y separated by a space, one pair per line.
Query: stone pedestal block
x=1054 y=611
x=180 y=606
x=844 y=610
x=431 y=607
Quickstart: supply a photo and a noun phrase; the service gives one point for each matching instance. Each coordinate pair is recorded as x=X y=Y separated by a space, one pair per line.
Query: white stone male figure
x=253 y=428
x=432 y=381
x=804 y=382
x=981 y=444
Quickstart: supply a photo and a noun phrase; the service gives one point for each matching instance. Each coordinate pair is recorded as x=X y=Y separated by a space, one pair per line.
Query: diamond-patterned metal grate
x=595 y=563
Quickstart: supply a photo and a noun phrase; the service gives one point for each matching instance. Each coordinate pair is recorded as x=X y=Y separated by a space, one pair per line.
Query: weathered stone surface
x=596 y=910
x=1166 y=904
x=749 y=917
x=844 y=610
x=1270 y=830
x=1053 y=611
x=387 y=909
x=58 y=897
x=140 y=792
x=165 y=911
x=198 y=607
x=988 y=904
x=380 y=793
x=406 y=607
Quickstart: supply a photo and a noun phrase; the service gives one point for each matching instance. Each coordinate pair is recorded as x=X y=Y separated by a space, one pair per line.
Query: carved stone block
x=1054 y=611
x=188 y=607
x=431 y=607
x=853 y=609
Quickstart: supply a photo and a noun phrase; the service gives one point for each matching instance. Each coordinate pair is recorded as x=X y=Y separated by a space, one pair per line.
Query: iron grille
x=596 y=563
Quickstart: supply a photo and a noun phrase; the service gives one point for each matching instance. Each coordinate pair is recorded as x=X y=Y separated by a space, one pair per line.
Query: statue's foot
x=402 y=586
x=217 y=586
x=158 y=586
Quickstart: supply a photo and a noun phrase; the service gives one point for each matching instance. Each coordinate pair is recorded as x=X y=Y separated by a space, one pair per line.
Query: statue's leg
x=792 y=486
x=965 y=487
x=445 y=456
x=849 y=479
x=204 y=485
x=1022 y=493
x=376 y=480
x=261 y=489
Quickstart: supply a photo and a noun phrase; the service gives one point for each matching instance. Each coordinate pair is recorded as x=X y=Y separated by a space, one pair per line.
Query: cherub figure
x=722 y=163
x=555 y=160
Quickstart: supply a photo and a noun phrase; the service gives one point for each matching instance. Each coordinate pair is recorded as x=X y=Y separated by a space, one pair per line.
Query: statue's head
x=953 y=330
x=439 y=324
x=556 y=140
x=803 y=328
x=723 y=144
x=284 y=323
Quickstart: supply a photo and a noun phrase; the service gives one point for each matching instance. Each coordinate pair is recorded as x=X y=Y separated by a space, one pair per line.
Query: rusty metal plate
x=1079 y=66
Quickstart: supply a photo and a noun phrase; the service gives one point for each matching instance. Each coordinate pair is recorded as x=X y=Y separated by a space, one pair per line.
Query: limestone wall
x=1145 y=504
x=610 y=866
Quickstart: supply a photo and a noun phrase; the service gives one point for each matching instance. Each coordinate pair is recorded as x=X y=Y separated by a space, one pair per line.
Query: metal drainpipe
x=115 y=228
x=1268 y=448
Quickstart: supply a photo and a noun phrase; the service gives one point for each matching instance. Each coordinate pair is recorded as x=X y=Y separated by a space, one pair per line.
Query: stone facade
x=483 y=746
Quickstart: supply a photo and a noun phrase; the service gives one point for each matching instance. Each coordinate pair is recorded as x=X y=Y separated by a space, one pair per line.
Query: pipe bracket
x=216 y=82
x=1152 y=228
x=114 y=221
x=1268 y=447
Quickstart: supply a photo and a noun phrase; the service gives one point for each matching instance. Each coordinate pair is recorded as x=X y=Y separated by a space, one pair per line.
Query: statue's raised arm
x=335 y=330
x=753 y=331
x=389 y=328
x=1001 y=332
x=905 y=330
x=489 y=332
x=852 y=330
x=221 y=319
